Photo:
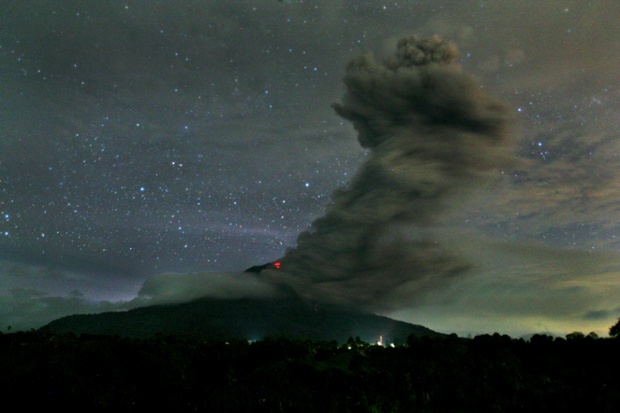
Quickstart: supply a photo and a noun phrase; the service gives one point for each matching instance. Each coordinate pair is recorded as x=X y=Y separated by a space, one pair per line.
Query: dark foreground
x=484 y=374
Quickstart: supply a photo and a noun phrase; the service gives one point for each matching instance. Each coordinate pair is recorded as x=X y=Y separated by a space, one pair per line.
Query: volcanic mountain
x=286 y=315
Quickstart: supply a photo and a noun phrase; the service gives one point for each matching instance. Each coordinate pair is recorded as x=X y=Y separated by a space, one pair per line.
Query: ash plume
x=431 y=132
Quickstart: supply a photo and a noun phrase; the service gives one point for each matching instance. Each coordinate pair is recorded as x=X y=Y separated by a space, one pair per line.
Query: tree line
x=486 y=373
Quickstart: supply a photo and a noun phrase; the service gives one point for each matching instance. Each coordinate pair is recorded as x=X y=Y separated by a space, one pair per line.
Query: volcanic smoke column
x=431 y=131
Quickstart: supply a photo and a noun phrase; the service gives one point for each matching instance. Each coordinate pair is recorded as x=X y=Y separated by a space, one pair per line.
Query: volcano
x=287 y=315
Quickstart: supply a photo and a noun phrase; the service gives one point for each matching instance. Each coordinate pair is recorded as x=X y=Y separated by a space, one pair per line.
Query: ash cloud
x=176 y=288
x=432 y=133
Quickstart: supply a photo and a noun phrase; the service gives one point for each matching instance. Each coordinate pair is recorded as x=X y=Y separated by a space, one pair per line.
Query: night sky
x=150 y=151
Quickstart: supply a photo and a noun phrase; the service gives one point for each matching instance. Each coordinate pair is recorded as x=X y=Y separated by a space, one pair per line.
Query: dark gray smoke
x=431 y=131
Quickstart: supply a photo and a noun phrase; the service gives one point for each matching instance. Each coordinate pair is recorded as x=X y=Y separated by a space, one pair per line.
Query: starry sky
x=151 y=148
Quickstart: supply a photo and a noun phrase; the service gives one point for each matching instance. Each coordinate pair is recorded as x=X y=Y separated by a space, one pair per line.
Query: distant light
x=277 y=265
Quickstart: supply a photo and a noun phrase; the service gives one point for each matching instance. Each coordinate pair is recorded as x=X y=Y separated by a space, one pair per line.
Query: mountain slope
x=248 y=318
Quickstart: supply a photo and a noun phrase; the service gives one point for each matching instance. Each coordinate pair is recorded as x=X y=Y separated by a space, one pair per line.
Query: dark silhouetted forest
x=487 y=373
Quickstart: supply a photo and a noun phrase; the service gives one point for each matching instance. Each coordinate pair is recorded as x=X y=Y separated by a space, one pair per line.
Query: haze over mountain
x=286 y=315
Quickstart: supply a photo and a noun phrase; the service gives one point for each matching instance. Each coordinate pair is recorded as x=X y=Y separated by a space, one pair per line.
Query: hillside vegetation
x=489 y=373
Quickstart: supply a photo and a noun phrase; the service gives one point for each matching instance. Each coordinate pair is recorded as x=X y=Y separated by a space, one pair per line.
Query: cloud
x=175 y=288
x=433 y=134
x=567 y=196
x=24 y=309
x=520 y=288
x=600 y=314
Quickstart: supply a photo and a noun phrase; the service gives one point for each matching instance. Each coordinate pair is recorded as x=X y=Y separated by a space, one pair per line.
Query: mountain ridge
x=242 y=318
